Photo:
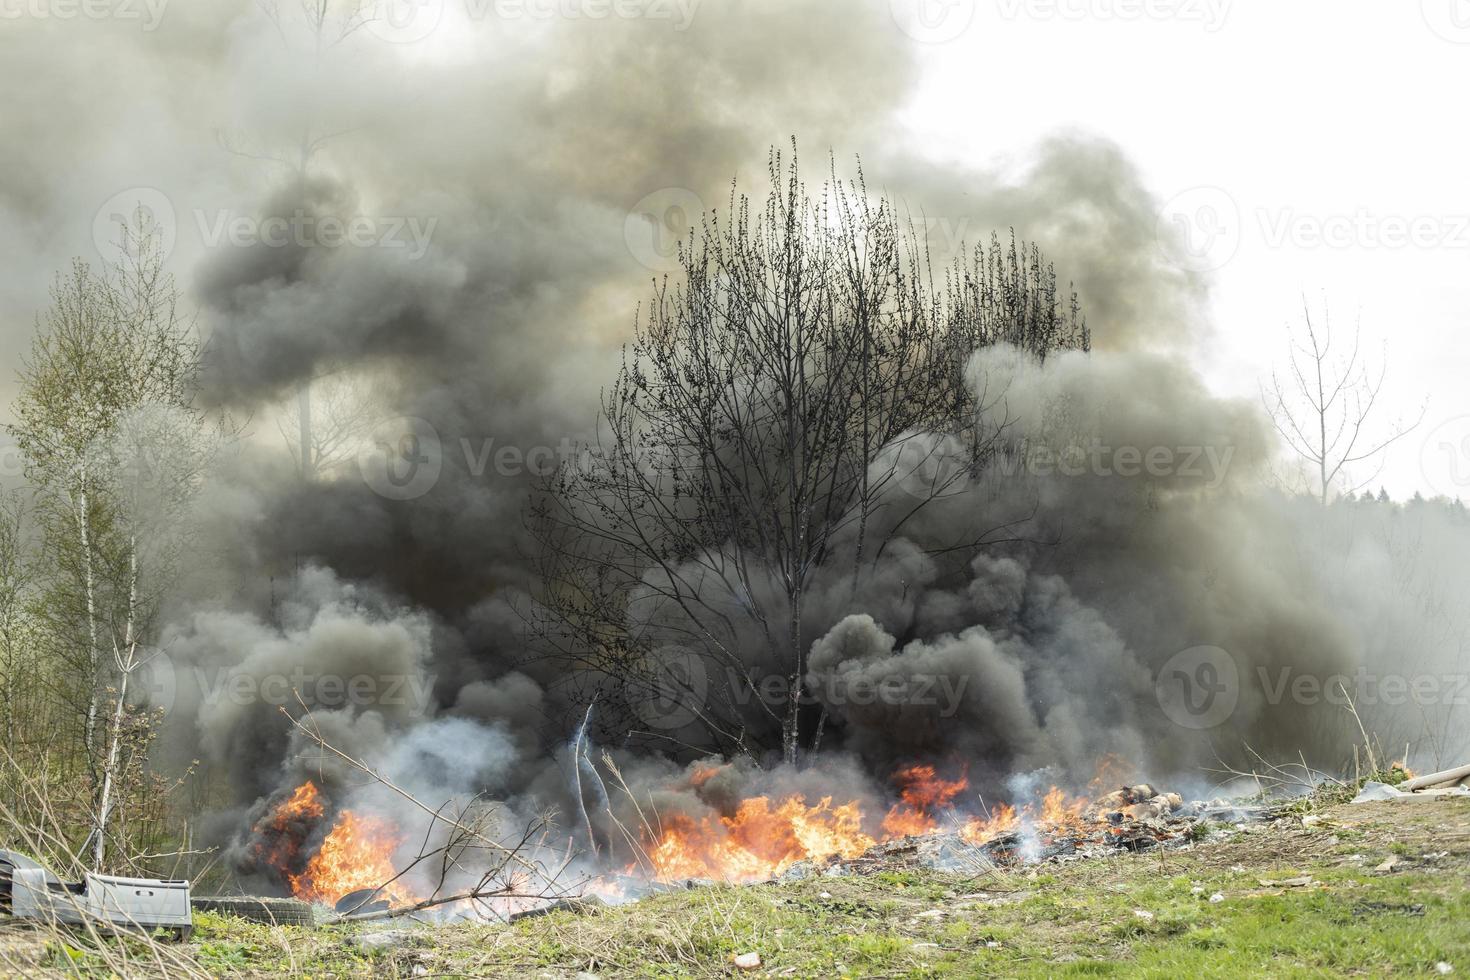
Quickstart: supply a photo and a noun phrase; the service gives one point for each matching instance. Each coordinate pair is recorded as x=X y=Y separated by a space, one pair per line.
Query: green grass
x=1076 y=919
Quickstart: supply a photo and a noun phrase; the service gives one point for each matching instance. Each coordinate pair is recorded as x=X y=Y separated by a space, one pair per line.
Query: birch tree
x=115 y=451
x=75 y=385
x=19 y=667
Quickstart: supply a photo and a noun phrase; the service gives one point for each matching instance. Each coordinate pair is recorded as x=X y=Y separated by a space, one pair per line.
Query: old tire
x=275 y=911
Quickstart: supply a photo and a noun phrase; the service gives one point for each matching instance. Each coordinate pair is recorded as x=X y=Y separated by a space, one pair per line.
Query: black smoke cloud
x=1148 y=531
x=526 y=154
x=525 y=150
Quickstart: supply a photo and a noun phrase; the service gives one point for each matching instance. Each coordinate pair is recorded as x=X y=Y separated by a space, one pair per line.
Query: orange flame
x=1059 y=813
x=280 y=834
x=306 y=801
x=763 y=839
x=357 y=853
x=760 y=841
x=924 y=794
x=702 y=774
x=982 y=830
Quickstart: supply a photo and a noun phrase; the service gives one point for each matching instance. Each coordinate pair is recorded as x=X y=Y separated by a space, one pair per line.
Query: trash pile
x=29 y=890
x=1434 y=785
x=1129 y=819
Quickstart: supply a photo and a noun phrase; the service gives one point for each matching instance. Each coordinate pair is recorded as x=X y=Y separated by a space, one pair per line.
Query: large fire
x=923 y=796
x=762 y=839
x=759 y=840
x=280 y=836
x=356 y=853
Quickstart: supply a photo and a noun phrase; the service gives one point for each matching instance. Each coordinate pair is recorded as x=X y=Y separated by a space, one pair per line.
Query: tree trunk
x=125 y=669
x=791 y=726
x=303 y=411
x=109 y=771
x=89 y=735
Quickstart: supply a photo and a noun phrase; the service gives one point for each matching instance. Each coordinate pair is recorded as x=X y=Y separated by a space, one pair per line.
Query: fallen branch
x=473 y=895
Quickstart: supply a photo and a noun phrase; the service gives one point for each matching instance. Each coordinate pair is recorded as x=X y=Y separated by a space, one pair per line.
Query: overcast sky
x=1319 y=131
x=1314 y=148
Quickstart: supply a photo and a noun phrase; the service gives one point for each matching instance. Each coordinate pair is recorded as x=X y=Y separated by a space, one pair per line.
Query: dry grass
x=1059 y=919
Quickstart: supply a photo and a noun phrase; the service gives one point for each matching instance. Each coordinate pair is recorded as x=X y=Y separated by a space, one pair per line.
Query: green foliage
x=113 y=452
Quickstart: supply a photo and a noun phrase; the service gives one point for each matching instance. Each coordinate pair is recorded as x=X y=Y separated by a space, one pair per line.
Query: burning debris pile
x=792 y=838
x=322 y=852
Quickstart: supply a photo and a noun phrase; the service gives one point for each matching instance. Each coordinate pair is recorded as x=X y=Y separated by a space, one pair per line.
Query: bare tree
x=324 y=24
x=1324 y=407
x=340 y=409
x=773 y=419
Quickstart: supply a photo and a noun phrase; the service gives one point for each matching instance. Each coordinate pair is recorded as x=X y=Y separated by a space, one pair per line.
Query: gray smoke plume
x=1150 y=537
